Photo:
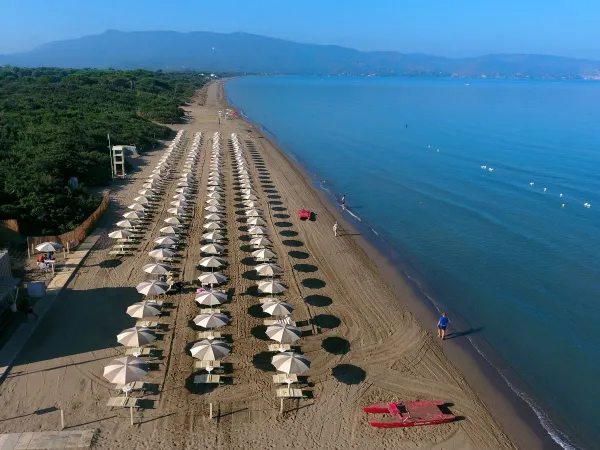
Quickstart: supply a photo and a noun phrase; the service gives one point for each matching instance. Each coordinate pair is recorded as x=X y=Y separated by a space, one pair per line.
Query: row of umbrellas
x=282 y=331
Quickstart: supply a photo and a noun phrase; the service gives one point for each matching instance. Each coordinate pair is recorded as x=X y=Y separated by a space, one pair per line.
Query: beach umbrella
x=214 y=217
x=290 y=363
x=161 y=253
x=152 y=287
x=213 y=183
x=52 y=246
x=213 y=202
x=125 y=370
x=142 y=200
x=214 y=209
x=137 y=207
x=179 y=203
x=258 y=230
x=283 y=333
x=211 y=320
x=263 y=253
x=186 y=170
x=119 y=234
x=134 y=215
x=277 y=308
x=254 y=212
x=148 y=185
x=157 y=268
x=126 y=224
x=213 y=226
x=250 y=197
x=169 y=230
x=211 y=261
x=178 y=211
x=246 y=185
x=212 y=236
x=256 y=221
x=179 y=197
x=143 y=309
x=250 y=204
x=154 y=176
x=183 y=184
x=214 y=249
x=210 y=350
x=215 y=195
x=214 y=173
x=167 y=240
x=271 y=287
x=147 y=192
x=183 y=190
x=268 y=270
x=262 y=241
x=249 y=191
x=173 y=221
x=135 y=337
x=214 y=189
x=211 y=298
x=212 y=278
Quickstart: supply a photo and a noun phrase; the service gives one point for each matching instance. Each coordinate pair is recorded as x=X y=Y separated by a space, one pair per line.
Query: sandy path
x=363 y=343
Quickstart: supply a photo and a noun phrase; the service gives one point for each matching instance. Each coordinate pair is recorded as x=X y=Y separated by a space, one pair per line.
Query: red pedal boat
x=409 y=414
x=304 y=214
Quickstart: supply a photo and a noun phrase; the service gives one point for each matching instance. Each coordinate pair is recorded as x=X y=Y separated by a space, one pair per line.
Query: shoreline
x=517 y=418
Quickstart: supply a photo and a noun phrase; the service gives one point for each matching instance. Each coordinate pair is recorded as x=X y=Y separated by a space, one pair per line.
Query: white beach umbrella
x=126 y=224
x=215 y=195
x=154 y=176
x=178 y=211
x=249 y=191
x=161 y=253
x=135 y=337
x=277 y=308
x=258 y=230
x=167 y=240
x=254 y=212
x=157 y=268
x=137 y=207
x=214 y=209
x=250 y=204
x=183 y=184
x=152 y=287
x=142 y=200
x=170 y=230
x=212 y=236
x=210 y=350
x=268 y=270
x=179 y=197
x=187 y=170
x=213 y=183
x=214 y=217
x=212 y=278
x=213 y=202
x=179 y=203
x=149 y=185
x=119 y=234
x=246 y=185
x=134 y=215
x=211 y=261
x=50 y=246
x=214 y=189
x=183 y=190
x=256 y=221
x=284 y=333
x=211 y=320
x=211 y=298
x=125 y=370
x=263 y=253
x=173 y=221
x=214 y=173
x=213 y=249
x=262 y=241
x=213 y=226
x=147 y=192
x=271 y=287
x=143 y=309
x=290 y=363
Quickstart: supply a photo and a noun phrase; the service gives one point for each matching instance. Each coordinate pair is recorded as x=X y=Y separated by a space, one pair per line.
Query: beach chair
x=122 y=402
x=285 y=321
x=290 y=393
x=207 y=379
x=146 y=323
x=283 y=378
x=210 y=335
x=138 y=351
x=207 y=365
x=279 y=347
x=209 y=310
x=136 y=386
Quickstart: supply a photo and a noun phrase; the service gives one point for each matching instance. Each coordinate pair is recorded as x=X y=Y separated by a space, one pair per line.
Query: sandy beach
x=365 y=344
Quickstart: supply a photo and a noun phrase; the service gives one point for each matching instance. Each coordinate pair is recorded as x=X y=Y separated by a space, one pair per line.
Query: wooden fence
x=73 y=238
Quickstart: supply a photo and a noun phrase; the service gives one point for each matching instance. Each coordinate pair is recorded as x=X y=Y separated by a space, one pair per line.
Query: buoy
x=545 y=189
x=562 y=206
x=560 y=195
x=531 y=184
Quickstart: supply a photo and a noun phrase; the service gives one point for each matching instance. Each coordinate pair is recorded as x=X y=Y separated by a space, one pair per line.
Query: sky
x=456 y=28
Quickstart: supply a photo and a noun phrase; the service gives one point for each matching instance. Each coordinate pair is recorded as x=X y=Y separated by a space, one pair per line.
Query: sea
x=489 y=190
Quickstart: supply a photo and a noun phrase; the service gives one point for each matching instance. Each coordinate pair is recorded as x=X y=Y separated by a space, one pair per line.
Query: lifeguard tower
x=118 y=158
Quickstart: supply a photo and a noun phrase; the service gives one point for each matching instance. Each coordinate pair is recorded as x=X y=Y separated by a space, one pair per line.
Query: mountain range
x=248 y=53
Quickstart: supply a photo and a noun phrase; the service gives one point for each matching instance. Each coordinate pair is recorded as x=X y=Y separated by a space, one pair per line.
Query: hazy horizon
x=455 y=31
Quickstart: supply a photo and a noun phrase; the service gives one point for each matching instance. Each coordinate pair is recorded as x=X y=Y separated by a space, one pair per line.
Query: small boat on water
x=409 y=414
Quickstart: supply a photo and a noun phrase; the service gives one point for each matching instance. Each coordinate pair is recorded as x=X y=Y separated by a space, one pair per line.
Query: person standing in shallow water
x=442 y=324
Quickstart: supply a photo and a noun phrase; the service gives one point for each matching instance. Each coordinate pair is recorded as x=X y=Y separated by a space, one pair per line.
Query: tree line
x=54 y=125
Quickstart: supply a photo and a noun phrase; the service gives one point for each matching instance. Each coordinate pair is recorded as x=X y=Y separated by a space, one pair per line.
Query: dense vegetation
x=54 y=125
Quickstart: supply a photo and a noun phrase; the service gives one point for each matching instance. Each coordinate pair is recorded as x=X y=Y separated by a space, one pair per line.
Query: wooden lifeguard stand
x=118 y=159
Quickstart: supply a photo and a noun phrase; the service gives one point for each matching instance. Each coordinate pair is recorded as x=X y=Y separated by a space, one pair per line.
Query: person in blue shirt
x=442 y=324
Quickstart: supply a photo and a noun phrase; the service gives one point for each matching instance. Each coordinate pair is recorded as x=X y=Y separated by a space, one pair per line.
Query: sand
x=364 y=344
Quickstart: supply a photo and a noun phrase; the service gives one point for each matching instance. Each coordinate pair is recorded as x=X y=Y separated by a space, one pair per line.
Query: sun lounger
x=122 y=402
x=209 y=310
x=137 y=351
x=207 y=379
x=146 y=323
x=290 y=393
x=207 y=364
x=279 y=347
x=141 y=386
x=283 y=378
x=121 y=252
x=125 y=247
x=209 y=335
x=287 y=321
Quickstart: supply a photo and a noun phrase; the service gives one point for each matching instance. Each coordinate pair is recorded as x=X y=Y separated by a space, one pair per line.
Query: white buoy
x=438 y=150
x=545 y=189
x=484 y=167
x=491 y=169
x=531 y=184
x=560 y=195
x=562 y=206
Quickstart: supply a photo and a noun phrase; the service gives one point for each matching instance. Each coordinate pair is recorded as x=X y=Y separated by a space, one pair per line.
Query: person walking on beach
x=442 y=324
x=335 y=228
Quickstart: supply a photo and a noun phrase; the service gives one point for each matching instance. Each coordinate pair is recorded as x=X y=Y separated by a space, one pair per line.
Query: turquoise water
x=506 y=257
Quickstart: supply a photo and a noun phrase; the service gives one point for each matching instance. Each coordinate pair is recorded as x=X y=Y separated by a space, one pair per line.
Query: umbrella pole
x=281 y=407
x=131 y=415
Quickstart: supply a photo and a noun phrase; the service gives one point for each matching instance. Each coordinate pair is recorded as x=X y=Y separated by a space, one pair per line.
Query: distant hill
x=248 y=53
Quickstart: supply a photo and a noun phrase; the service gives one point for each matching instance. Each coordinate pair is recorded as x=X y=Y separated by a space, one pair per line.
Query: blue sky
x=448 y=28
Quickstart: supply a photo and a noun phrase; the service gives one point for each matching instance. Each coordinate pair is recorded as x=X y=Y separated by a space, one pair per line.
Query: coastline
x=518 y=419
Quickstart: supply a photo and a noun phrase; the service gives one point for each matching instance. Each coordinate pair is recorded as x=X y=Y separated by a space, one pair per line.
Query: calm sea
x=519 y=263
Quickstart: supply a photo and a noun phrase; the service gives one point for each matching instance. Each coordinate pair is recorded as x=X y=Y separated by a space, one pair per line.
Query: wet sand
x=364 y=344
